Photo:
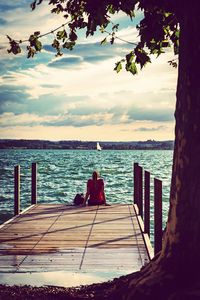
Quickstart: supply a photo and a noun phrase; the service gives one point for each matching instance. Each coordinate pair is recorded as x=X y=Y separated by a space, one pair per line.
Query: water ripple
x=63 y=173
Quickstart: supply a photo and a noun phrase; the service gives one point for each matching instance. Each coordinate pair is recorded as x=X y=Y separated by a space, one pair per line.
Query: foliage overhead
x=157 y=30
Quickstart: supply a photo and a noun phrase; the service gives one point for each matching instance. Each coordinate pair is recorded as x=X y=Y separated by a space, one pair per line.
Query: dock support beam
x=34 y=184
x=135 y=183
x=16 y=190
x=140 y=190
x=147 y=202
x=157 y=215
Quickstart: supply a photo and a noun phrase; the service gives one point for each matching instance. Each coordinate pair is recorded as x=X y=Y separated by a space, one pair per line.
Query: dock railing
x=141 y=199
x=17 y=180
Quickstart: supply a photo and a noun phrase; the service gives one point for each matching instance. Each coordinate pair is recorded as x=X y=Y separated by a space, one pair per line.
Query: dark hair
x=95 y=175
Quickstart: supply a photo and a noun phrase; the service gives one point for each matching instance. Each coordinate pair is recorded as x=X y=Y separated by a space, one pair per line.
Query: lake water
x=63 y=173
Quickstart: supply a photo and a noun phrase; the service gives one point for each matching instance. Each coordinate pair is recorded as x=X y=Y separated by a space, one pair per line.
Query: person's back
x=96 y=188
x=95 y=191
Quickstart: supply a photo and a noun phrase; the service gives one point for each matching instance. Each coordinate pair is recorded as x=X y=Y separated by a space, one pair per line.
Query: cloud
x=93 y=91
x=80 y=90
x=86 y=110
x=66 y=62
x=90 y=48
x=19 y=63
x=16 y=100
x=12 y=99
x=27 y=119
x=9 y=6
x=99 y=58
x=21 y=21
x=151 y=114
x=50 y=86
x=145 y=129
x=2 y=21
x=77 y=61
x=12 y=5
x=79 y=116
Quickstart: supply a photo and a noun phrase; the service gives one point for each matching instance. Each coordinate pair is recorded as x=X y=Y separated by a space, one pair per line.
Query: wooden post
x=135 y=182
x=34 y=184
x=147 y=202
x=17 y=190
x=140 y=190
x=157 y=215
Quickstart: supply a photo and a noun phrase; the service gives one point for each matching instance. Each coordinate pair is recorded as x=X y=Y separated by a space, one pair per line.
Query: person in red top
x=95 y=191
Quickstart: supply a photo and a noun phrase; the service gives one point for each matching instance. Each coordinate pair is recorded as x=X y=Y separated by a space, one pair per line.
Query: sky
x=79 y=96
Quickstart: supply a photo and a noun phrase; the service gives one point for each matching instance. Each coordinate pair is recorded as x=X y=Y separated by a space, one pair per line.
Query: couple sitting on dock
x=95 y=191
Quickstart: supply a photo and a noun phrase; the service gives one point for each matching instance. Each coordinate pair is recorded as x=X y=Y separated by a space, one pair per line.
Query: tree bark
x=181 y=247
x=176 y=270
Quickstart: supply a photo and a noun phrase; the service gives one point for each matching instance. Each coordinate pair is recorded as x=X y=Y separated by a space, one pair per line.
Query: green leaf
x=128 y=7
x=56 y=44
x=112 y=40
x=130 y=57
x=102 y=29
x=177 y=33
x=57 y=9
x=131 y=68
x=37 y=33
x=69 y=45
x=10 y=39
x=61 y=35
x=32 y=39
x=173 y=63
x=132 y=14
x=59 y=53
x=176 y=47
x=38 y=45
x=115 y=27
x=34 y=42
x=165 y=43
x=111 y=9
x=104 y=41
x=33 y=5
x=118 y=66
x=31 y=52
x=14 y=46
x=167 y=14
x=73 y=36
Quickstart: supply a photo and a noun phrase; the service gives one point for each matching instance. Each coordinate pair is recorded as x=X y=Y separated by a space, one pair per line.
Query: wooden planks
x=59 y=237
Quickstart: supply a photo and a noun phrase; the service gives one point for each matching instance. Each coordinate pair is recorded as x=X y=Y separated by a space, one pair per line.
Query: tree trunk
x=181 y=247
x=176 y=270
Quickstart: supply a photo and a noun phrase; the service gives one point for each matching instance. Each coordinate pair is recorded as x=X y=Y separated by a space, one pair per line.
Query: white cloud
x=104 y=133
x=10 y=119
x=21 y=22
x=86 y=84
x=154 y=81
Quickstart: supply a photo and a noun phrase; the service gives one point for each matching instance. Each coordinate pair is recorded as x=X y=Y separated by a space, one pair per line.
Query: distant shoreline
x=23 y=144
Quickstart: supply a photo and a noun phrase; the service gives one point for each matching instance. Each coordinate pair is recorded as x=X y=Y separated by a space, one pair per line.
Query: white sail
x=98 y=147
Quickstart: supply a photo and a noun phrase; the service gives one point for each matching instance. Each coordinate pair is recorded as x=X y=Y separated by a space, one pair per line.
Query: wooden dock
x=59 y=237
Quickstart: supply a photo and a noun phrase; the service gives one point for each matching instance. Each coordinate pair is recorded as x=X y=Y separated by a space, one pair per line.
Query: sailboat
x=98 y=147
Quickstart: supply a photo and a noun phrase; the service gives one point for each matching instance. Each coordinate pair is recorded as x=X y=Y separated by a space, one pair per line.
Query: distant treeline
x=77 y=145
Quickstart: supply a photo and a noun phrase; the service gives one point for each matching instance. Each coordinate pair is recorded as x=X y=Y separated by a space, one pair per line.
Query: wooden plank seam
x=135 y=235
x=86 y=243
x=39 y=240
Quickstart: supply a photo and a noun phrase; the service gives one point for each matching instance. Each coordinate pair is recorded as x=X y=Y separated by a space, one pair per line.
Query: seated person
x=95 y=191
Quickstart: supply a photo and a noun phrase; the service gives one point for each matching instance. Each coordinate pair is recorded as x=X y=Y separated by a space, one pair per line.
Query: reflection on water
x=59 y=278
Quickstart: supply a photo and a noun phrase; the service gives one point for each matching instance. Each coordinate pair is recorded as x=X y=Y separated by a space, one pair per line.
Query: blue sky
x=79 y=96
